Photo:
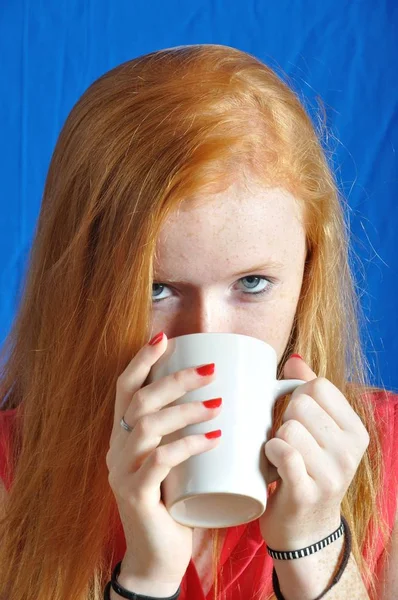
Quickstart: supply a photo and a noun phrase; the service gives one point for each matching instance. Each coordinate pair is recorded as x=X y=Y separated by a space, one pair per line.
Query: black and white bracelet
x=292 y=554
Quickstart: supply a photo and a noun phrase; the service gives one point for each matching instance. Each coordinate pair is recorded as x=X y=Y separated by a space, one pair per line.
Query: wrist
x=144 y=586
x=293 y=575
x=301 y=533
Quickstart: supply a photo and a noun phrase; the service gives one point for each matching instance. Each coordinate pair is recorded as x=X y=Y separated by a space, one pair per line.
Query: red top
x=247 y=566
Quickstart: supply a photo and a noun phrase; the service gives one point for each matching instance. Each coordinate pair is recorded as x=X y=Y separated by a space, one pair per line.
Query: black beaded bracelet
x=121 y=591
x=343 y=564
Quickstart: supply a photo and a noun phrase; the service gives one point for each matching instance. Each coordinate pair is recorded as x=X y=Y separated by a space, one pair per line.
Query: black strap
x=121 y=591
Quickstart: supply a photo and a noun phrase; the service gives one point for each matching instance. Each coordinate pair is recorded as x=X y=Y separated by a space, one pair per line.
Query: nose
x=204 y=314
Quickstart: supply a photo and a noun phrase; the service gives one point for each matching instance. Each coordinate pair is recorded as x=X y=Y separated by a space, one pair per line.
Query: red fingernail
x=296 y=356
x=155 y=340
x=215 y=403
x=206 y=369
x=213 y=434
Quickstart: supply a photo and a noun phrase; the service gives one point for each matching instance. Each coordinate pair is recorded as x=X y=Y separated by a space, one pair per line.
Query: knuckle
x=331 y=484
x=139 y=399
x=185 y=408
x=159 y=456
x=359 y=430
x=112 y=480
x=319 y=384
x=290 y=456
x=188 y=444
x=180 y=379
x=188 y=411
x=289 y=431
x=299 y=405
x=348 y=462
x=144 y=425
x=365 y=438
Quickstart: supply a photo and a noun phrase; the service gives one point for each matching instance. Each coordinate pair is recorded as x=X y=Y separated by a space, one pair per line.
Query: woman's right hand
x=158 y=548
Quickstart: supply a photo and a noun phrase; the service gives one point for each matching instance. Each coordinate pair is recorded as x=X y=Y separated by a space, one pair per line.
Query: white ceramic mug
x=226 y=485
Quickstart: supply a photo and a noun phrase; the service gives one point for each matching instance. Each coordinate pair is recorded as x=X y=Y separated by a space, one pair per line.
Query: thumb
x=296 y=368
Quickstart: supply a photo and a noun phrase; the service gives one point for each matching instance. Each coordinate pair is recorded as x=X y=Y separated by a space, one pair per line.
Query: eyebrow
x=253 y=269
x=261 y=267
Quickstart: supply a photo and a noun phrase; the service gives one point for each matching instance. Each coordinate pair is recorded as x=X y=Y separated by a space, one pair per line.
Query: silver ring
x=125 y=425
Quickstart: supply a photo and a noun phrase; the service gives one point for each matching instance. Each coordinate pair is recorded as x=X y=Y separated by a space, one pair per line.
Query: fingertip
x=159 y=337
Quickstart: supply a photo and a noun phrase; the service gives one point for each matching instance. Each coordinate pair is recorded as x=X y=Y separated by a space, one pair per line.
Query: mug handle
x=282 y=387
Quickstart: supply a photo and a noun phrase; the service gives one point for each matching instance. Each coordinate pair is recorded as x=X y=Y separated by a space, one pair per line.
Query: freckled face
x=214 y=258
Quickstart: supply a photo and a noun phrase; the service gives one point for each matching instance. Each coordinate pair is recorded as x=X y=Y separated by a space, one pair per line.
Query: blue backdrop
x=343 y=51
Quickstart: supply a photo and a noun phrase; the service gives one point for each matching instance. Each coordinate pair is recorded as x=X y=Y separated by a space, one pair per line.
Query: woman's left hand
x=316 y=452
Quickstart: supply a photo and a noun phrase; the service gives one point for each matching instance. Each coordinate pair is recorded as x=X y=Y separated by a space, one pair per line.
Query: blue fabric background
x=343 y=51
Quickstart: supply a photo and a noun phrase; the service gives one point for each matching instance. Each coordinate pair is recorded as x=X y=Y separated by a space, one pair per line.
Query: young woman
x=189 y=192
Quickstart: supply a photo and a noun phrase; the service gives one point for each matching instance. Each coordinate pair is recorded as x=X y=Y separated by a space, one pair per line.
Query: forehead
x=233 y=228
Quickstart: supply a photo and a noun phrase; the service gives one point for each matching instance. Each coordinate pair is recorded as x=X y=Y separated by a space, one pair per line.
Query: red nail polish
x=213 y=434
x=296 y=356
x=155 y=340
x=215 y=403
x=206 y=370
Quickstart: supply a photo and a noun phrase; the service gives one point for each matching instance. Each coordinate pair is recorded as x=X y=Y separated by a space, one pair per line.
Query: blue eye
x=158 y=285
x=253 y=282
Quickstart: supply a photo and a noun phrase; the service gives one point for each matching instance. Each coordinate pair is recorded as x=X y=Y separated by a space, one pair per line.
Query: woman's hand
x=316 y=451
x=158 y=548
